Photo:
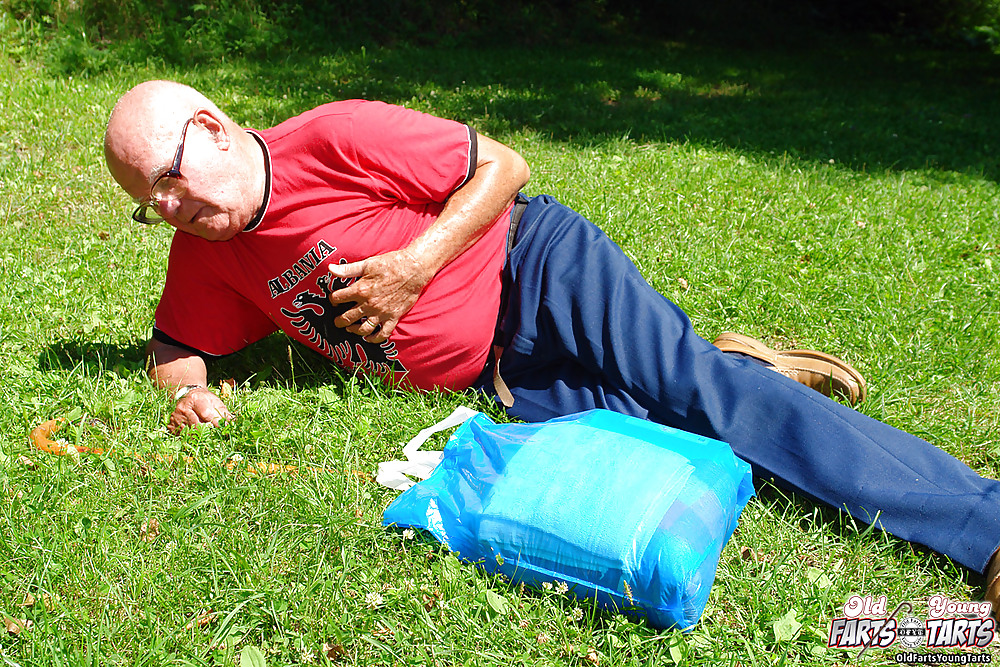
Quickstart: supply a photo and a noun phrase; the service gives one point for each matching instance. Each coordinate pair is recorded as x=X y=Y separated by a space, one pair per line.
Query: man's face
x=208 y=202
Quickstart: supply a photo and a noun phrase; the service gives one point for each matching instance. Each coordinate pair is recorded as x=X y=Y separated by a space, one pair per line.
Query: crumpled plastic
x=625 y=511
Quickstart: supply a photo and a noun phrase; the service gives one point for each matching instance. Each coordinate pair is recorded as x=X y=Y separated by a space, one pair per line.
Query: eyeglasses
x=169 y=186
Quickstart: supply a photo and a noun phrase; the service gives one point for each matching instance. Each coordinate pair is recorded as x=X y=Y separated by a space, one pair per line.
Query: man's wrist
x=185 y=390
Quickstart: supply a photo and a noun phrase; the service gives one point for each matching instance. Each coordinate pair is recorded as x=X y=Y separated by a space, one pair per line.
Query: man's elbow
x=521 y=170
x=515 y=170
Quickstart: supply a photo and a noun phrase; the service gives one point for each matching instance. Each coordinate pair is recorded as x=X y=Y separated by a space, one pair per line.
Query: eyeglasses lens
x=169 y=187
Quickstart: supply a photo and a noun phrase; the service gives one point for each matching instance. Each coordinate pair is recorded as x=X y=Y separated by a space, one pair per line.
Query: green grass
x=843 y=198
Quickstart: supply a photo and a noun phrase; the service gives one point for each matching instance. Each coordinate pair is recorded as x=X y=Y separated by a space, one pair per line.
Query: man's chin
x=221 y=235
x=223 y=231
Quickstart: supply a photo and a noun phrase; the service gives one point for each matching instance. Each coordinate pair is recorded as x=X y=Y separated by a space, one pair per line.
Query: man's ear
x=211 y=122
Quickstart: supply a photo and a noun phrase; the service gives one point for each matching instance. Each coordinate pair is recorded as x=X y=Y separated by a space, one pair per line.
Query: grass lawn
x=835 y=197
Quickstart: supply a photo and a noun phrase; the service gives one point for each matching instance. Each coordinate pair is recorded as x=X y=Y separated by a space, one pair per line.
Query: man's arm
x=388 y=285
x=172 y=368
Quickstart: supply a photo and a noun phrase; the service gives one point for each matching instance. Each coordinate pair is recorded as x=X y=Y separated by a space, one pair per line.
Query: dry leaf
x=201 y=620
x=149 y=530
x=334 y=652
x=362 y=475
x=25 y=461
x=15 y=626
x=683 y=283
x=30 y=600
x=430 y=600
x=592 y=656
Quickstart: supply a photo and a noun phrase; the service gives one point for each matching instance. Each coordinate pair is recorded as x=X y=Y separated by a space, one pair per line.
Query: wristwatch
x=185 y=390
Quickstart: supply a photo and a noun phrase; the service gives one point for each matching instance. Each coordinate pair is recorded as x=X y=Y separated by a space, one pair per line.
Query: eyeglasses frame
x=139 y=214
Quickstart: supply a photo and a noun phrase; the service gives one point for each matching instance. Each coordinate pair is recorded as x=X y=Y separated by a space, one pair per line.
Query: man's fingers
x=386 y=330
x=197 y=408
x=349 y=294
x=377 y=336
x=349 y=270
x=350 y=320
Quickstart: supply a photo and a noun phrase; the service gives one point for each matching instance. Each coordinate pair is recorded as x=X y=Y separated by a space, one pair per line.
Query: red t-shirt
x=348 y=180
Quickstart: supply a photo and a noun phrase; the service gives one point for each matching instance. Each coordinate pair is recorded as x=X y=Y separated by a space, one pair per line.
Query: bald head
x=223 y=166
x=146 y=120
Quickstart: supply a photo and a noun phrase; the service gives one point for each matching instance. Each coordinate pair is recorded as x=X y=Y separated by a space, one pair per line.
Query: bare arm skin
x=388 y=285
x=171 y=368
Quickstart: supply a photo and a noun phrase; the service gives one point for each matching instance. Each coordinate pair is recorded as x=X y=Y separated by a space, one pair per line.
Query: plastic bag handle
x=420 y=464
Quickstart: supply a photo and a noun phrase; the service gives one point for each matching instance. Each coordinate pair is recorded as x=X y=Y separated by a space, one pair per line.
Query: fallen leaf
x=149 y=530
x=592 y=656
x=334 y=652
x=25 y=461
x=201 y=620
x=683 y=283
x=16 y=626
x=30 y=600
x=362 y=475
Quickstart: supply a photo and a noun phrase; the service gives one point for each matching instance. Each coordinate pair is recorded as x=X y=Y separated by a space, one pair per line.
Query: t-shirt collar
x=255 y=221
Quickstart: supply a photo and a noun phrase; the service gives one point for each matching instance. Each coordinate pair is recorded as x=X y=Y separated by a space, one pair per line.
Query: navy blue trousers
x=582 y=329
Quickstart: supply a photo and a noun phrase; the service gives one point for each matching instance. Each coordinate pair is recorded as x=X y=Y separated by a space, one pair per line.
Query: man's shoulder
x=331 y=113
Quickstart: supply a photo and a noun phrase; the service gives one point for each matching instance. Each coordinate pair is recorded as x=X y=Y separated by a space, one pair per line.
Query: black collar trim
x=255 y=221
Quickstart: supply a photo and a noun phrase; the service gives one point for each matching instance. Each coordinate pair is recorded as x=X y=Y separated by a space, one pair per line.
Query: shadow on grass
x=870 y=108
x=93 y=357
x=275 y=361
x=849 y=529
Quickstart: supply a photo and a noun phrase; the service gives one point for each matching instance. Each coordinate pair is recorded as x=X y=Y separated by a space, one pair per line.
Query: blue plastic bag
x=631 y=513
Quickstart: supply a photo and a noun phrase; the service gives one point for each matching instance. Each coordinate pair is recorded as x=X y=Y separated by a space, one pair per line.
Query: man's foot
x=823 y=372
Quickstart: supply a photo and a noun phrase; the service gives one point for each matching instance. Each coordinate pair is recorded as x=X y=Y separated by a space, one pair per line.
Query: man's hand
x=386 y=288
x=198 y=406
x=388 y=285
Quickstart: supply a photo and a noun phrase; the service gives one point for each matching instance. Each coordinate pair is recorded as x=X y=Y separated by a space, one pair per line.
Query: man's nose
x=168 y=207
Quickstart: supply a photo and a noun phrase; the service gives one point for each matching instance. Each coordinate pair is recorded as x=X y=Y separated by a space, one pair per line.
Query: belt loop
x=503 y=392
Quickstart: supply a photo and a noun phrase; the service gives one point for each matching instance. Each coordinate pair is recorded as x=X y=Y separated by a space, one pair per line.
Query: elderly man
x=397 y=243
